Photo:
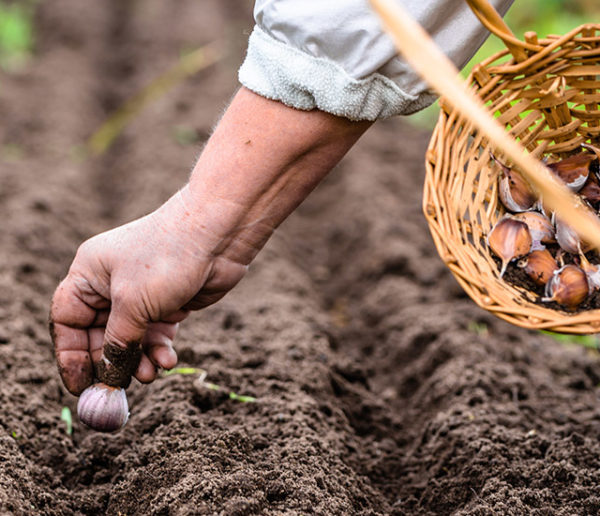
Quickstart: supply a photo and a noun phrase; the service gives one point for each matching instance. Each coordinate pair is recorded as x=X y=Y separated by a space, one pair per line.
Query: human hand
x=116 y=313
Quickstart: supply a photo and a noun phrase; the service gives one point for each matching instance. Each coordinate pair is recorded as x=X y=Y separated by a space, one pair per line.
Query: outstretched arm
x=116 y=313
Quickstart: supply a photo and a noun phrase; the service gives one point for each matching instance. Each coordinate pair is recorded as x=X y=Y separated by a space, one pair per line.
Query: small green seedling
x=241 y=398
x=188 y=64
x=478 y=328
x=202 y=374
x=66 y=416
x=183 y=370
x=232 y=395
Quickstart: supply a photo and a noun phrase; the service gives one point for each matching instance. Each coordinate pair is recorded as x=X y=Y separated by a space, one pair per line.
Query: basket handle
x=430 y=62
x=492 y=21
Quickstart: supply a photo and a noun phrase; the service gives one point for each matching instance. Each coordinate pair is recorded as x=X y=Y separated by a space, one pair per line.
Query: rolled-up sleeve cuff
x=281 y=72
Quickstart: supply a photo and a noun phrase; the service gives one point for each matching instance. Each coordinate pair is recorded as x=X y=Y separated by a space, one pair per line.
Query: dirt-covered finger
x=71 y=347
x=122 y=347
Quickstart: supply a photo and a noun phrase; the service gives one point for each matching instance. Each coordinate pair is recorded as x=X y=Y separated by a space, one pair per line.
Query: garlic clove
x=591 y=190
x=592 y=271
x=514 y=191
x=543 y=209
x=568 y=287
x=567 y=238
x=103 y=408
x=509 y=239
x=539 y=266
x=574 y=170
x=540 y=228
x=595 y=164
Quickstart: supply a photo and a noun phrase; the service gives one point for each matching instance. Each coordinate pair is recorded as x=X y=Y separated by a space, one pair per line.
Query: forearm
x=260 y=164
x=129 y=287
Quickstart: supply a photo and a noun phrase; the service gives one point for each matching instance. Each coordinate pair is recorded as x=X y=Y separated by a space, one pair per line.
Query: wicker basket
x=546 y=93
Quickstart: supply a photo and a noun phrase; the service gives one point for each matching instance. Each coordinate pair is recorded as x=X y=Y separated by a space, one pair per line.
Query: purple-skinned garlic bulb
x=103 y=408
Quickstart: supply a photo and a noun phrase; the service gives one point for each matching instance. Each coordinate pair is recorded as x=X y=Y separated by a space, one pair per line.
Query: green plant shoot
x=16 y=34
x=183 y=370
x=66 y=416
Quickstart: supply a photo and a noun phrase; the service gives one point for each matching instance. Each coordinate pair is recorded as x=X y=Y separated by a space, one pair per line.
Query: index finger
x=70 y=316
x=72 y=357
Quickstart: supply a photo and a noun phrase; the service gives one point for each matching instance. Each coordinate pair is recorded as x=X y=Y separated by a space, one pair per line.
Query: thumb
x=122 y=347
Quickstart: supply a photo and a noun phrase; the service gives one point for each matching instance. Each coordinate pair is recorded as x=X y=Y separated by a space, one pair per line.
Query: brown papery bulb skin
x=539 y=265
x=568 y=287
x=103 y=408
x=591 y=190
x=540 y=227
x=514 y=191
x=574 y=170
x=567 y=238
x=509 y=239
x=592 y=271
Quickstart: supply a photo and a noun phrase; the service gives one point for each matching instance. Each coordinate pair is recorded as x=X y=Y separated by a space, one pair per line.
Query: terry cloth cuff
x=281 y=72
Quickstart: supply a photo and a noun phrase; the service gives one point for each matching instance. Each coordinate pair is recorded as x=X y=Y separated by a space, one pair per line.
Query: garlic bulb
x=103 y=408
x=568 y=287
x=509 y=239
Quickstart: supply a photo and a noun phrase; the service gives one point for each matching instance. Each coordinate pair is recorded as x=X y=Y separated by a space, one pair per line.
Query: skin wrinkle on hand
x=88 y=295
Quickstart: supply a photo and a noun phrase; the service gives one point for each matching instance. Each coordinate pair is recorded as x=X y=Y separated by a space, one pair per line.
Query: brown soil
x=381 y=389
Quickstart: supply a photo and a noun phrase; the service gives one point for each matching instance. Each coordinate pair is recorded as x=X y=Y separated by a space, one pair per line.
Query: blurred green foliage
x=16 y=33
x=586 y=341
x=541 y=16
x=185 y=135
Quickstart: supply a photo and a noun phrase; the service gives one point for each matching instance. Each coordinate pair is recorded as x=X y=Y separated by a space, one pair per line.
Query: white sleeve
x=332 y=54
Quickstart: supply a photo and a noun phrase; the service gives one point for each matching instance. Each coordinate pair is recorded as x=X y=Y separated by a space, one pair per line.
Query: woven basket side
x=551 y=104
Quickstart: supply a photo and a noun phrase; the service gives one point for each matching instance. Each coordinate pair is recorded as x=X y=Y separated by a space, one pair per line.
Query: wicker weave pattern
x=550 y=102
